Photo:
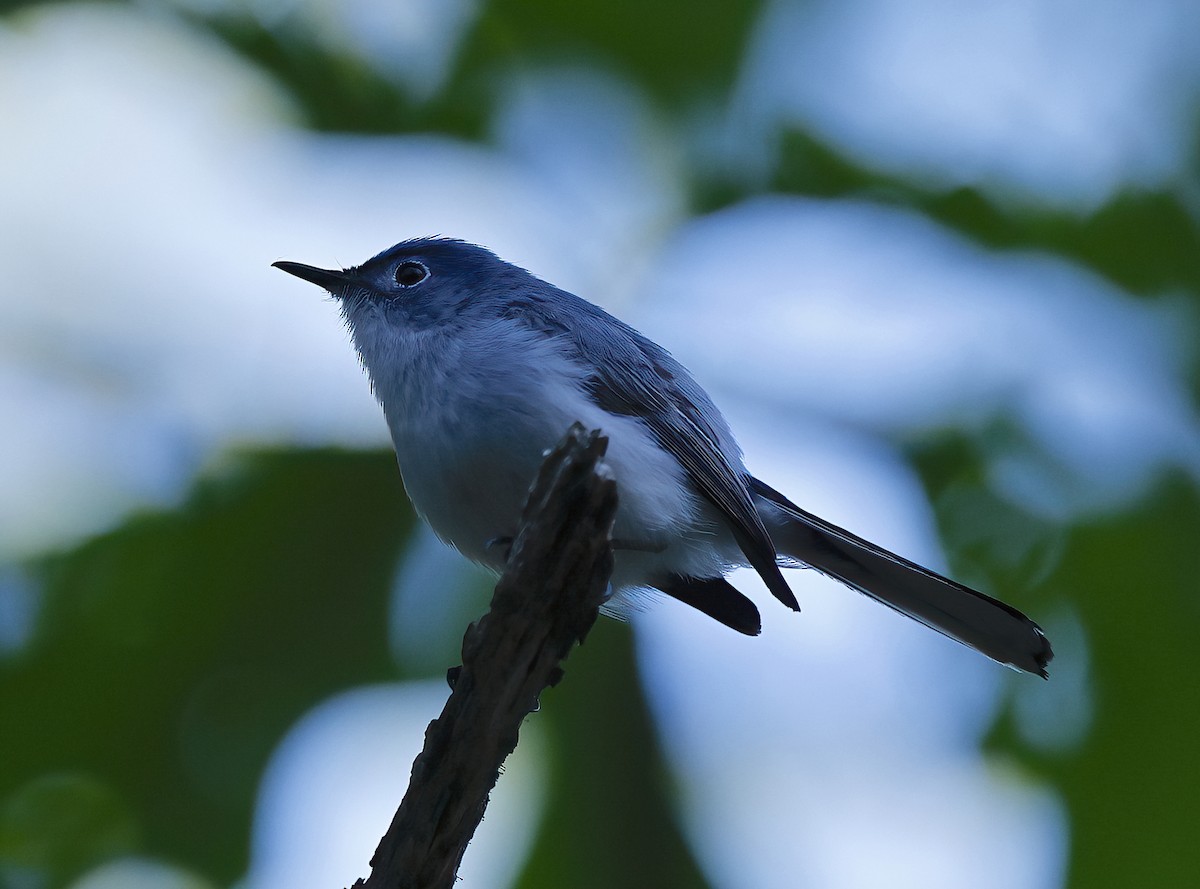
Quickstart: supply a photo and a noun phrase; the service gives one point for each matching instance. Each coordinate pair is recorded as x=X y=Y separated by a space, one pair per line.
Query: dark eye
x=411 y=273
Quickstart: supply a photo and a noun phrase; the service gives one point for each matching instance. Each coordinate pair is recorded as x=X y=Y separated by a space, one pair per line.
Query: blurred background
x=938 y=262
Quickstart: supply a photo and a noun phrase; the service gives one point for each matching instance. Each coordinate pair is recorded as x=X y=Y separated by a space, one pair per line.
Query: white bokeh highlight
x=1047 y=101
x=878 y=318
x=840 y=748
x=411 y=42
x=333 y=784
x=143 y=328
x=140 y=873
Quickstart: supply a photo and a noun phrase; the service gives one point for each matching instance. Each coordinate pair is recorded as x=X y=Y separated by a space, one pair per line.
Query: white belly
x=469 y=447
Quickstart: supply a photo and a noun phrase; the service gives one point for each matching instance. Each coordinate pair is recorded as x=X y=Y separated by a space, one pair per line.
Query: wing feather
x=632 y=376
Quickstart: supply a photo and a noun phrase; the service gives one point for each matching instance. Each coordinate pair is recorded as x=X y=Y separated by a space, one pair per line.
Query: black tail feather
x=717 y=598
x=988 y=625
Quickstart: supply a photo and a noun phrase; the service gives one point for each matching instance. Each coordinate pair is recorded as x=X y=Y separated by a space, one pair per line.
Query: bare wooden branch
x=547 y=599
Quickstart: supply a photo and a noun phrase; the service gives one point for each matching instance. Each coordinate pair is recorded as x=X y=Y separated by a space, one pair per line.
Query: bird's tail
x=988 y=625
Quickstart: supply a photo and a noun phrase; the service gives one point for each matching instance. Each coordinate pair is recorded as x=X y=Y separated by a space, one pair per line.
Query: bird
x=481 y=367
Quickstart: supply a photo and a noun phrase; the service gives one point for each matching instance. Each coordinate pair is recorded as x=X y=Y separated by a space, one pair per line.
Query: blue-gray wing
x=633 y=376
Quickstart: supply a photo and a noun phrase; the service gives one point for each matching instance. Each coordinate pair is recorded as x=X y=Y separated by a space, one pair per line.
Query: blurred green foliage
x=171 y=654
x=674 y=50
x=1145 y=242
x=1130 y=784
x=339 y=92
x=61 y=823
x=1131 y=788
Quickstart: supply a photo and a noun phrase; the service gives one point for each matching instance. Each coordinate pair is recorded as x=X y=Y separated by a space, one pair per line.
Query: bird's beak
x=333 y=281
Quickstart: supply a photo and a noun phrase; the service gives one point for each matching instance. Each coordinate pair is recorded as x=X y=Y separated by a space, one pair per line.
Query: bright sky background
x=154 y=177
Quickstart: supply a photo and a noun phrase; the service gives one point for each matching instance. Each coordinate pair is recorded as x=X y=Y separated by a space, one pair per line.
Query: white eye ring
x=410 y=273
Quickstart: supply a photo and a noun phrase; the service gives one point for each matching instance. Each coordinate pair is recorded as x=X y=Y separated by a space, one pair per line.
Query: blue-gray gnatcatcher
x=481 y=367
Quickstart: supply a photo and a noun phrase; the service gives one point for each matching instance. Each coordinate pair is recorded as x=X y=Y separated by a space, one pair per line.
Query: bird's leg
x=501 y=543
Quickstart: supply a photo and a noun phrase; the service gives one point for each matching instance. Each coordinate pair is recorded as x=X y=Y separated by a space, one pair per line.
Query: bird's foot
x=504 y=544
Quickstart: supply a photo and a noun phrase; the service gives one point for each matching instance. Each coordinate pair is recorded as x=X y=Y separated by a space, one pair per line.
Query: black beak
x=333 y=281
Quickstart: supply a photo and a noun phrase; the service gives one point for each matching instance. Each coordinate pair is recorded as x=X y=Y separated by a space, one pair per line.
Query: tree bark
x=547 y=599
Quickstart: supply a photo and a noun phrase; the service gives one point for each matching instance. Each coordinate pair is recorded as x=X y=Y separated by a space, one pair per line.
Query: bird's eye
x=411 y=273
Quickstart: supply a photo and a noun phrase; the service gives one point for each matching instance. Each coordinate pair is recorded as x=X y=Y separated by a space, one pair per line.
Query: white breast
x=471 y=419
